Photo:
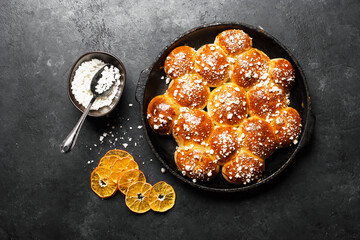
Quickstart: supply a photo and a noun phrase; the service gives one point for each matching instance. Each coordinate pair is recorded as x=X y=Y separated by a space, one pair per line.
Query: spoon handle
x=70 y=140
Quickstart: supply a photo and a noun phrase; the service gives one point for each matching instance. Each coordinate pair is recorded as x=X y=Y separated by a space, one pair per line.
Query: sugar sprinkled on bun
x=192 y=126
x=224 y=141
x=190 y=91
x=234 y=41
x=196 y=162
x=179 y=62
x=282 y=73
x=228 y=105
x=212 y=64
x=258 y=137
x=250 y=68
x=287 y=127
x=243 y=168
x=266 y=102
x=161 y=113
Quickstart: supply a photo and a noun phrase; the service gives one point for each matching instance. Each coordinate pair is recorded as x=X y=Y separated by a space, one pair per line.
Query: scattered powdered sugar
x=80 y=86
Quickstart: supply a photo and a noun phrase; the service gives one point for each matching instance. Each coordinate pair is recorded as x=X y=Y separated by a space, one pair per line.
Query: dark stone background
x=47 y=195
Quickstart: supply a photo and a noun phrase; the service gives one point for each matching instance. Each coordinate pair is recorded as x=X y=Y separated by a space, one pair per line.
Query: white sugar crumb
x=295 y=141
x=167 y=80
x=88 y=162
x=80 y=86
x=130 y=104
x=125 y=145
x=162 y=170
x=139 y=127
x=194 y=180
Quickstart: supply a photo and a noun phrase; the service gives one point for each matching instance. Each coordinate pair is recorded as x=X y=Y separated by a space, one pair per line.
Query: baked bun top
x=282 y=73
x=234 y=41
x=250 y=68
x=190 y=91
x=161 y=113
x=196 y=162
x=224 y=141
x=258 y=137
x=267 y=101
x=287 y=127
x=212 y=64
x=243 y=168
x=228 y=105
x=179 y=62
x=192 y=126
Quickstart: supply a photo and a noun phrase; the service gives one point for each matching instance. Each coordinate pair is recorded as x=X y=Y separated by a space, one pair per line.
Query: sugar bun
x=212 y=64
x=196 y=162
x=228 y=105
x=258 y=137
x=179 y=62
x=243 y=168
x=233 y=41
x=190 y=91
x=161 y=113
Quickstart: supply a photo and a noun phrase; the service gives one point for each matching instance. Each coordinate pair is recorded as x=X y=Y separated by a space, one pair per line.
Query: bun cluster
x=226 y=107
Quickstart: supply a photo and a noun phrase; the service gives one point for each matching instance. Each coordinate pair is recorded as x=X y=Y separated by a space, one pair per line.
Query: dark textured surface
x=47 y=195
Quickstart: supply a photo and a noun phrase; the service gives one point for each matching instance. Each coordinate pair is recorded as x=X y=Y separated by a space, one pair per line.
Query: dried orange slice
x=121 y=165
x=136 y=198
x=120 y=153
x=101 y=183
x=161 y=197
x=129 y=177
x=108 y=161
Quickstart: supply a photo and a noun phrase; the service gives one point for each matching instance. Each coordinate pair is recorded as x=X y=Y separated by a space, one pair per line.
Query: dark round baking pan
x=150 y=85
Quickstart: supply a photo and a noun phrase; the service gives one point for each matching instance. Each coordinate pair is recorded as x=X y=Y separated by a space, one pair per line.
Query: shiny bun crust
x=250 y=68
x=228 y=105
x=282 y=73
x=190 y=91
x=196 y=162
x=161 y=113
x=192 y=126
x=179 y=62
x=243 y=168
x=287 y=127
x=266 y=102
x=224 y=141
x=234 y=41
x=212 y=64
x=258 y=137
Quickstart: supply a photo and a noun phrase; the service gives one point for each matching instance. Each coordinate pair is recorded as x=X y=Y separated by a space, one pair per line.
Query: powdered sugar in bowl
x=79 y=76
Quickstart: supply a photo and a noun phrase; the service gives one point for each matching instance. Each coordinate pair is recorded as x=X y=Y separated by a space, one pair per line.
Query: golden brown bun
x=190 y=91
x=266 y=102
x=179 y=62
x=224 y=141
x=234 y=41
x=287 y=127
x=243 y=168
x=258 y=137
x=228 y=105
x=196 y=162
x=212 y=64
x=192 y=126
x=282 y=73
x=161 y=113
x=250 y=68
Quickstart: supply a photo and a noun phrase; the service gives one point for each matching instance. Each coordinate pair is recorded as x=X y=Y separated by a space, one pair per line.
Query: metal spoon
x=70 y=140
